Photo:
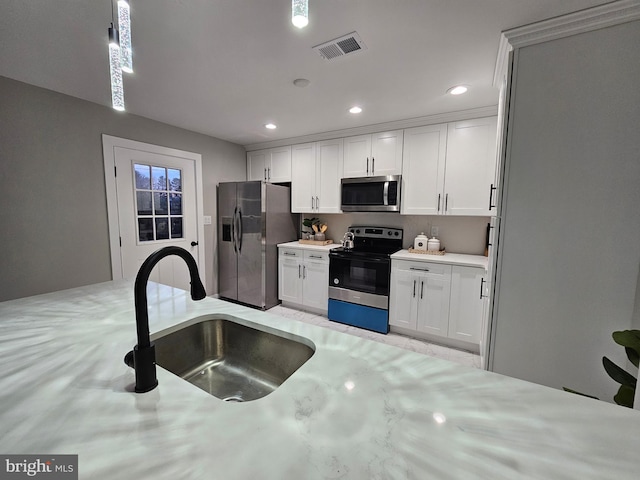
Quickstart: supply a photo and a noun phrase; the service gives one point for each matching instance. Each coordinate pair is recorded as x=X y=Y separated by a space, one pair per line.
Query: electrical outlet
x=434 y=231
x=207 y=220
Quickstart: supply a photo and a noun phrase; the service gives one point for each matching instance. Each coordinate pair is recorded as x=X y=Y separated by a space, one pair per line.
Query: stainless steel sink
x=230 y=359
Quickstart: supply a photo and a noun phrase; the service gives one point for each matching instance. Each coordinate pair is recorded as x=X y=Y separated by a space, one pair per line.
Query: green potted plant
x=630 y=340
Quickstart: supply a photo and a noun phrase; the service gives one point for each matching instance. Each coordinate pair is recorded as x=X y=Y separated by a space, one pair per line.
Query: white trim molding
x=109 y=143
x=602 y=16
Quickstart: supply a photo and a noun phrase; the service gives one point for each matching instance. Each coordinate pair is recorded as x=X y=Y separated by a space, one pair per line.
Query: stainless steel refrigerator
x=253 y=217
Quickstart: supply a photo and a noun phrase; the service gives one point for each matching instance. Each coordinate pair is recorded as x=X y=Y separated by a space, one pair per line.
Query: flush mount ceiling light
x=270 y=126
x=300 y=13
x=458 y=90
x=124 y=32
x=117 y=89
x=355 y=109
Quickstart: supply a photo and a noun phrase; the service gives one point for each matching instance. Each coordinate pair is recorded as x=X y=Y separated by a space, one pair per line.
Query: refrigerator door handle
x=233 y=230
x=239 y=230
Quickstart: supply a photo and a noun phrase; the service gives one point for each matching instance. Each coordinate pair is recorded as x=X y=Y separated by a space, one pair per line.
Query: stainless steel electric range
x=359 y=278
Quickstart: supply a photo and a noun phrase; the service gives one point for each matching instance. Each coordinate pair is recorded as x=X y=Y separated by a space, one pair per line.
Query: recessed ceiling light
x=355 y=109
x=270 y=126
x=458 y=90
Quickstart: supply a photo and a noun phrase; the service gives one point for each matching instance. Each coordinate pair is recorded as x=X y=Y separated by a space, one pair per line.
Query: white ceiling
x=226 y=67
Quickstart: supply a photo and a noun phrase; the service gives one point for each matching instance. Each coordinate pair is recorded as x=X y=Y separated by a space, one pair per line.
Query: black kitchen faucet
x=143 y=356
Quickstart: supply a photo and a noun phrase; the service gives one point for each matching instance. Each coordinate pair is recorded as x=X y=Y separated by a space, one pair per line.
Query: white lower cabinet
x=437 y=299
x=303 y=278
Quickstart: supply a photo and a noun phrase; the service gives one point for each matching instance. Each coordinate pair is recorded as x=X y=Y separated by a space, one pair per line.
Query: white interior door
x=156 y=200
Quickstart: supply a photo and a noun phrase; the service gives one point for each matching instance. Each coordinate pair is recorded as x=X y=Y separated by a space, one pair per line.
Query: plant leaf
x=629 y=339
x=578 y=393
x=625 y=396
x=618 y=374
x=632 y=355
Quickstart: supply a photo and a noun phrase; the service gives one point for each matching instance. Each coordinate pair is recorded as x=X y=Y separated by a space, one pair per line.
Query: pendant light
x=300 y=13
x=124 y=32
x=117 y=89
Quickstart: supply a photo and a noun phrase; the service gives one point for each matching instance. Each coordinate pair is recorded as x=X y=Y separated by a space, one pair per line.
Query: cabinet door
x=303 y=178
x=433 y=291
x=357 y=156
x=329 y=160
x=423 y=170
x=290 y=277
x=465 y=314
x=316 y=284
x=279 y=168
x=256 y=165
x=471 y=166
x=386 y=153
x=402 y=299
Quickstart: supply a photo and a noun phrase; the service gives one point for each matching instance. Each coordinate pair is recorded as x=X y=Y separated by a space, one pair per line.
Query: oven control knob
x=358 y=231
x=396 y=234
x=336 y=281
x=389 y=232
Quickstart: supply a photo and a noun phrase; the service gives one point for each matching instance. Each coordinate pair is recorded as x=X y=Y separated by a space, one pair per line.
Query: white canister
x=420 y=243
x=433 y=244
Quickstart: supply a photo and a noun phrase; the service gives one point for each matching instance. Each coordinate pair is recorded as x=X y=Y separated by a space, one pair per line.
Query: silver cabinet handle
x=419 y=269
x=269 y=173
x=299 y=274
x=438 y=203
x=421 y=289
x=414 y=289
x=265 y=174
x=290 y=254
x=373 y=165
x=317 y=203
x=446 y=202
x=482 y=289
x=304 y=271
x=315 y=256
x=367 y=165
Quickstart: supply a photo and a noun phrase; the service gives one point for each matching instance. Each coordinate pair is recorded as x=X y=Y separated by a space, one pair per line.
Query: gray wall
x=53 y=219
x=570 y=239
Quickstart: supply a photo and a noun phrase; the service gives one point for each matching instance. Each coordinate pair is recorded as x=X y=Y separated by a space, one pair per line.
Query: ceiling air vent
x=345 y=45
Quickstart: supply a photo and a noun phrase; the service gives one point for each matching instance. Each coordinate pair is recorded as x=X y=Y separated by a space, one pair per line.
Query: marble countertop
x=449 y=258
x=356 y=410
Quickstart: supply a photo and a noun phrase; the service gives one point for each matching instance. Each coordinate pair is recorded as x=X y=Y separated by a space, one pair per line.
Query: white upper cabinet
x=471 y=167
x=423 y=169
x=271 y=165
x=315 y=179
x=449 y=169
x=373 y=155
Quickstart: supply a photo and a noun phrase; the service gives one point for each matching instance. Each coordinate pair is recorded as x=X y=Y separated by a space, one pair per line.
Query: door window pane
x=144 y=203
x=158 y=192
x=175 y=201
x=175 y=179
x=145 y=229
x=143 y=176
x=162 y=228
x=160 y=203
x=159 y=178
x=176 y=227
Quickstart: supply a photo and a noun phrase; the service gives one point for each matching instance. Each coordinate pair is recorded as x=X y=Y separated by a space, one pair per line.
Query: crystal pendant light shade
x=300 y=13
x=124 y=31
x=117 y=89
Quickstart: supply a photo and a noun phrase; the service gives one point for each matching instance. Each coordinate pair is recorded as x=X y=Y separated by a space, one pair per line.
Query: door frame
x=109 y=143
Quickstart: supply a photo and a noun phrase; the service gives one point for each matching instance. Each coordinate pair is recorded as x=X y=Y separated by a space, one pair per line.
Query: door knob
x=193 y=244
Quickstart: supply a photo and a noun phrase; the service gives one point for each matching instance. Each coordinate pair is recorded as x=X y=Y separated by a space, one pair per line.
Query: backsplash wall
x=456 y=234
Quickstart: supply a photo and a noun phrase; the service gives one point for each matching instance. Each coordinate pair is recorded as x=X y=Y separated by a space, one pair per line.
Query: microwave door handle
x=385 y=193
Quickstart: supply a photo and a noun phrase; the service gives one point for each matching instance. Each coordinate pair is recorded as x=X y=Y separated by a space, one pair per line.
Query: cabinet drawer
x=316 y=257
x=290 y=253
x=419 y=268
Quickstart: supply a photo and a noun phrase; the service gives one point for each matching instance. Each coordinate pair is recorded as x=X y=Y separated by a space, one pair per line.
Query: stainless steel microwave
x=371 y=194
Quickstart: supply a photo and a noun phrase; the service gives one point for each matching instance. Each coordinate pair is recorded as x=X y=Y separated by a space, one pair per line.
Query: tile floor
x=408 y=343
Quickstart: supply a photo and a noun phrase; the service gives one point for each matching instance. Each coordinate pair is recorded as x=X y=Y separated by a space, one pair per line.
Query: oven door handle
x=360 y=259
x=385 y=193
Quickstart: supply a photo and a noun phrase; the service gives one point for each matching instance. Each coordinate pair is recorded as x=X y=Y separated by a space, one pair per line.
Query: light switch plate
x=207 y=219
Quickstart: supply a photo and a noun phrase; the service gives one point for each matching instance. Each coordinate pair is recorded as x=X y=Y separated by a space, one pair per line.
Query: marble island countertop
x=356 y=410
